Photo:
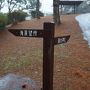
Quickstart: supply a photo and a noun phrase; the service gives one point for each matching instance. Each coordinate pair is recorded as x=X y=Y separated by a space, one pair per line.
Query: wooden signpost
x=48 y=48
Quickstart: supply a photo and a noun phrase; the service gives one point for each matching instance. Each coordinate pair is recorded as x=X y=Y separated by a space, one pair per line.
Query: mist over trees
x=20 y=4
x=13 y=5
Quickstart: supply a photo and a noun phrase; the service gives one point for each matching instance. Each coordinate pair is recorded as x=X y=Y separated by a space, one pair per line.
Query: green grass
x=12 y=62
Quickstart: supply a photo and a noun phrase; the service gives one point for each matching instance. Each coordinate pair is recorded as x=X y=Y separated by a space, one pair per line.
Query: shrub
x=34 y=13
x=3 y=20
x=17 y=16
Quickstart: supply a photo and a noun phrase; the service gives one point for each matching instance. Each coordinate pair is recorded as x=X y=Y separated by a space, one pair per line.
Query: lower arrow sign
x=61 y=40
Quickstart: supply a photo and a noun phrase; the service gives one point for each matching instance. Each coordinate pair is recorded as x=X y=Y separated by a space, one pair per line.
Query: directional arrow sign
x=48 y=48
x=27 y=32
x=60 y=40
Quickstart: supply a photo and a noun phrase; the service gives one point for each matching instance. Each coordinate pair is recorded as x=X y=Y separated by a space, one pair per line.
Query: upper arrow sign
x=60 y=40
x=27 y=32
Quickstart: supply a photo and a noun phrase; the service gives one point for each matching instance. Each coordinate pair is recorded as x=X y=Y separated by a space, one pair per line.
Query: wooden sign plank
x=27 y=32
x=61 y=40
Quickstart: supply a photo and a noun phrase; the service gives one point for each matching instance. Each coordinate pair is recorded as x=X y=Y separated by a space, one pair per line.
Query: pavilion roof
x=70 y=2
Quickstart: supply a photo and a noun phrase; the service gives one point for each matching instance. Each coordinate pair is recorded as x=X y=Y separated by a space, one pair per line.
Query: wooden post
x=48 y=56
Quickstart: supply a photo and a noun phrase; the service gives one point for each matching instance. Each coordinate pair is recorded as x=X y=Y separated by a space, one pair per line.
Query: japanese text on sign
x=28 y=33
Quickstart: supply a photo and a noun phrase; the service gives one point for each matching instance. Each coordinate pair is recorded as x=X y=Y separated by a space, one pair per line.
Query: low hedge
x=3 y=21
x=17 y=16
x=34 y=14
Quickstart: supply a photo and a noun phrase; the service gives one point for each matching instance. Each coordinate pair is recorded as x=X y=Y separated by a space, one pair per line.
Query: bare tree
x=34 y=5
x=31 y=4
x=16 y=4
x=2 y=2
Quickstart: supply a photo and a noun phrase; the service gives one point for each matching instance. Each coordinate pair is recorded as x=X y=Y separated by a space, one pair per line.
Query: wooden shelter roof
x=66 y=2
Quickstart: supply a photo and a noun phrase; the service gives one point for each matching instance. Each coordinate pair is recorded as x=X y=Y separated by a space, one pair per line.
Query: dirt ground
x=23 y=56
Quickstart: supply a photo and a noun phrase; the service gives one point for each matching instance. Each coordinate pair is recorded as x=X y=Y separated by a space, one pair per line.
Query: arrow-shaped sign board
x=61 y=40
x=27 y=32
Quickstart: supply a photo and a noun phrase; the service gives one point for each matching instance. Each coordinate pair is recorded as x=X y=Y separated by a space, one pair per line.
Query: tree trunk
x=37 y=9
x=56 y=14
x=9 y=16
